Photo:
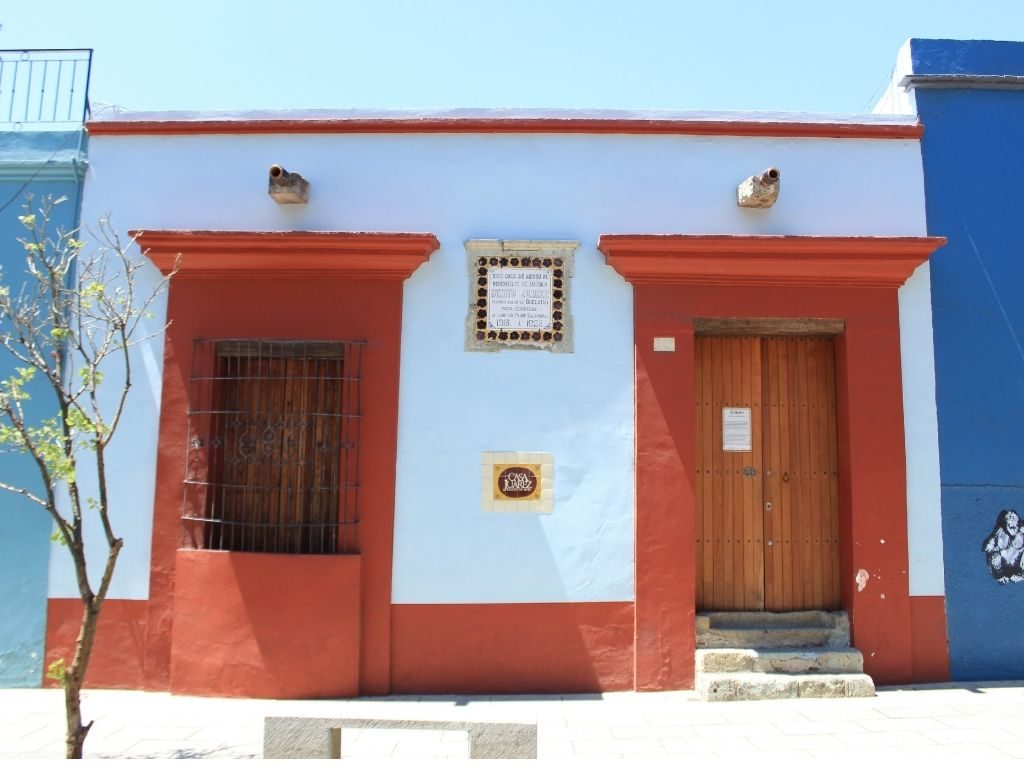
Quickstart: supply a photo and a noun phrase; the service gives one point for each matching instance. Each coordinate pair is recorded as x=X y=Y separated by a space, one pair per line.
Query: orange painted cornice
x=584 y=125
x=219 y=254
x=680 y=259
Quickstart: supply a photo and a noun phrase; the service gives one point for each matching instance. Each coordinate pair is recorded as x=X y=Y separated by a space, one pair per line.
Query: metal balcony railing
x=45 y=89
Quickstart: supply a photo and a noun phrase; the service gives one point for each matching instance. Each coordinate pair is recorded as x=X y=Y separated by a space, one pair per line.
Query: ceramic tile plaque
x=517 y=481
x=519 y=295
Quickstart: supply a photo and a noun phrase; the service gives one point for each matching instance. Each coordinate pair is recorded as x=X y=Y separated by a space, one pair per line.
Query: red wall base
x=929 y=643
x=284 y=643
x=119 y=651
x=512 y=648
x=265 y=625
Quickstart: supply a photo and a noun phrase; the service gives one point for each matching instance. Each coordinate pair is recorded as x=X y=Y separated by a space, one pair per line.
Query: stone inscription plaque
x=519 y=295
x=520 y=299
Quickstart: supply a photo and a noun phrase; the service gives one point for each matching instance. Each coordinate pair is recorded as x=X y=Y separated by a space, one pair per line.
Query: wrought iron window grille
x=273 y=447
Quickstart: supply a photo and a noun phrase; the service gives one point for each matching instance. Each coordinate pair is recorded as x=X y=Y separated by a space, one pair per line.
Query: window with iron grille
x=273 y=447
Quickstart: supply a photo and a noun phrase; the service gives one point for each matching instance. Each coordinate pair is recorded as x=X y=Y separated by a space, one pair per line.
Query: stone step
x=787 y=660
x=759 y=686
x=806 y=618
x=762 y=638
x=809 y=628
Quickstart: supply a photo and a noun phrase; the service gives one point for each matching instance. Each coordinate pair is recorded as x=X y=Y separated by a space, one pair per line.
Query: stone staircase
x=758 y=656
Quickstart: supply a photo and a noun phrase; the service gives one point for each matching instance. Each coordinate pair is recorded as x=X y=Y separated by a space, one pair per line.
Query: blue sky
x=792 y=55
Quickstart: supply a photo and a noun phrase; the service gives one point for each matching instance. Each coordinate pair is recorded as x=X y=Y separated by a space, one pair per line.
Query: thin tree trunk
x=73 y=681
x=75 y=311
x=75 y=738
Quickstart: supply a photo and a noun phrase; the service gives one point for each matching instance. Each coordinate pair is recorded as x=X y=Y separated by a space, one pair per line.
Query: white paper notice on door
x=736 y=430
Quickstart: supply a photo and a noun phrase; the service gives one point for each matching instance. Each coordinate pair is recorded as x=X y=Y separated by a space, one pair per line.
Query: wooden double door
x=767 y=475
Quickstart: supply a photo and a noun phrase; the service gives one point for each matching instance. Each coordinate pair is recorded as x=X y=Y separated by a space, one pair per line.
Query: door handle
x=749 y=471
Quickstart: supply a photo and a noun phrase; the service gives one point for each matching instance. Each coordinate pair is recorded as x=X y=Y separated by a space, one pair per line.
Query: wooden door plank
x=805 y=511
x=824 y=480
x=347 y=473
x=322 y=431
x=744 y=519
x=287 y=512
x=780 y=504
x=731 y=567
x=749 y=484
x=756 y=482
x=807 y=502
x=734 y=499
x=709 y=484
x=835 y=596
x=718 y=547
x=772 y=481
x=814 y=509
x=786 y=424
x=823 y=473
x=798 y=436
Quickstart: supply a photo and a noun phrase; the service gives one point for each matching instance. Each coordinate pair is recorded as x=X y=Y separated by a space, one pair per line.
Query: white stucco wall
x=924 y=496
x=453 y=404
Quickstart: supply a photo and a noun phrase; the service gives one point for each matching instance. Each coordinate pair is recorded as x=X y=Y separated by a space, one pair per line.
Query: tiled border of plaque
x=517 y=481
x=519 y=295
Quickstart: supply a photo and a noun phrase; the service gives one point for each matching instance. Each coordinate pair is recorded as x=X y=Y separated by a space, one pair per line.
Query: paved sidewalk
x=944 y=722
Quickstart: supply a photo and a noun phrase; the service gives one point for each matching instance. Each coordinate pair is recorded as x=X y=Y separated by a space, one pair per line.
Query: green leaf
x=91 y=378
x=58 y=671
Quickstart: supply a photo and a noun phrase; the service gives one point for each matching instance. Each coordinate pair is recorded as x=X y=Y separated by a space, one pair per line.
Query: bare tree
x=67 y=323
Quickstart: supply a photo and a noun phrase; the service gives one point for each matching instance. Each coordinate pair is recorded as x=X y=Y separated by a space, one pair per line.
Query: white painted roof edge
x=113 y=113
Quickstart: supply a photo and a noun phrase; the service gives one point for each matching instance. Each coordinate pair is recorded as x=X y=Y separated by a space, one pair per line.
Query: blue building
x=969 y=95
x=43 y=102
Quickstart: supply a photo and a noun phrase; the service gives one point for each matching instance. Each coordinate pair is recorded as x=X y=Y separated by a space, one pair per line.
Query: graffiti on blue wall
x=1004 y=548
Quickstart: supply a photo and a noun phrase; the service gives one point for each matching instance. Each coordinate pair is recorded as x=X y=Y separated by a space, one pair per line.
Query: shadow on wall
x=118 y=657
x=266 y=625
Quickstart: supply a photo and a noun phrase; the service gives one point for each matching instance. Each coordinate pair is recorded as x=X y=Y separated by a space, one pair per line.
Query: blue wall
x=974 y=171
x=39 y=164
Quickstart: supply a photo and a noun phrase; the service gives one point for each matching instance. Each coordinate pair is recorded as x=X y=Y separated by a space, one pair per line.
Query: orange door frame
x=679 y=278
